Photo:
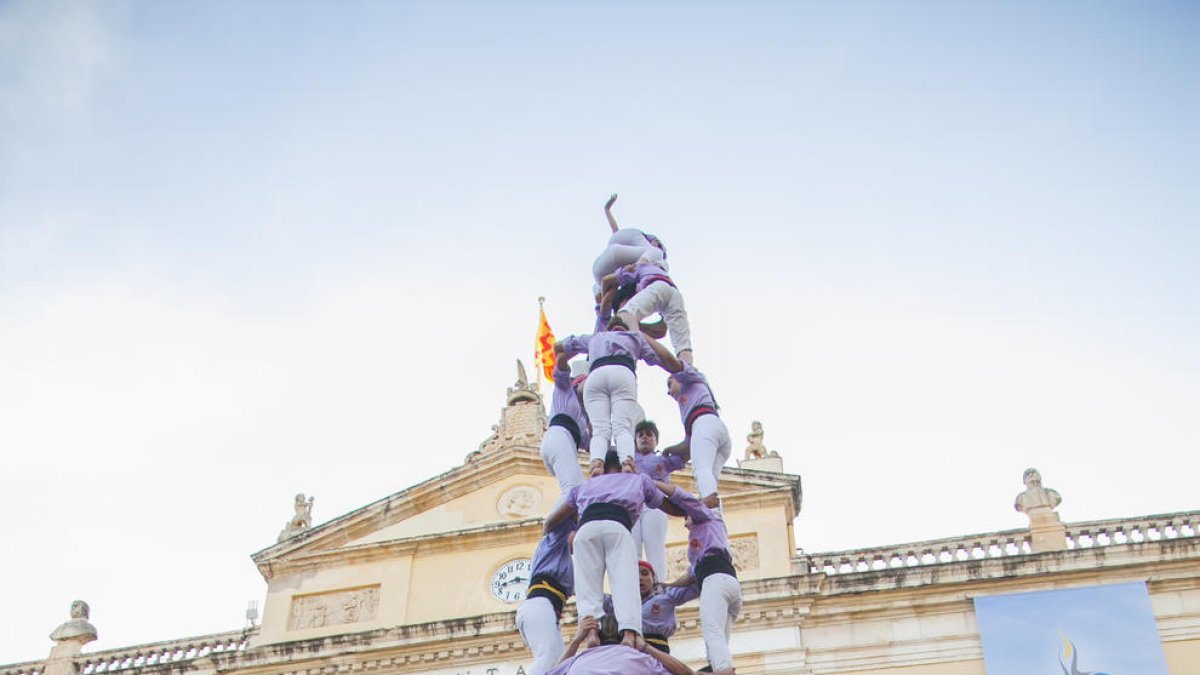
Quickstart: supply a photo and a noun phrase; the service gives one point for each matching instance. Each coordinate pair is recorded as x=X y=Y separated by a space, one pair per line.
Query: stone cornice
x=741 y=488
x=525 y=531
x=803 y=600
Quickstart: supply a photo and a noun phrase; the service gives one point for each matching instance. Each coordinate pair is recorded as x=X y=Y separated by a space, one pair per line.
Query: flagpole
x=541 y=313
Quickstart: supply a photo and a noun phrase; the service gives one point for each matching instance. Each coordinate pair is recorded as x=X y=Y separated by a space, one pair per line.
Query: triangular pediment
x=498 y=487
x=490 y=492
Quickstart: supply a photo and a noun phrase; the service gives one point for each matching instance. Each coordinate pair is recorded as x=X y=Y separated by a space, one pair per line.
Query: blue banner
x=1097 y=630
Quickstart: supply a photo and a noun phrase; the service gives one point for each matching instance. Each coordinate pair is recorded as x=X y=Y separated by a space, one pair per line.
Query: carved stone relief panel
x=335 y=608
x=521 y=501
x=744 y=549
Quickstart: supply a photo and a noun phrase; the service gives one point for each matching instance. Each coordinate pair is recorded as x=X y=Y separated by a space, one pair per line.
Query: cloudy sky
x=248 y=250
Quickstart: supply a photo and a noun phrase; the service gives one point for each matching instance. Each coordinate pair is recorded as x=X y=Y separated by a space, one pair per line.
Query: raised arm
x=667 y=360
x=612 y=222
x=570 y=346
x=688 y=503
x=560 y=513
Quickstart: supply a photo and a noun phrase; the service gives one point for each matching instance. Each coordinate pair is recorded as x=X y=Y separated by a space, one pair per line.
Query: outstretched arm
x=682 y=448
x=672 y=664
x=562 y=512
x=612 y=222
x=666 y=359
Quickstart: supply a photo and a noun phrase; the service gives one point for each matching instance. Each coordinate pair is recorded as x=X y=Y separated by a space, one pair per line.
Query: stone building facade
x=414 y=583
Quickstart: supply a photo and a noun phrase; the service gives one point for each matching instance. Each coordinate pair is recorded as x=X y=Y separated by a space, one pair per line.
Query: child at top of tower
x=625 y=246
x=655 y=292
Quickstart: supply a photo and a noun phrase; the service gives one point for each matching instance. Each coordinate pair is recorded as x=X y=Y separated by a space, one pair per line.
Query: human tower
x=600 y=526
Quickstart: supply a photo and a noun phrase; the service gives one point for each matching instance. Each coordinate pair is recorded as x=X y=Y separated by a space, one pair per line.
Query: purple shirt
x=706 y=534
x=609 y=659
x=552 y=557
x=630 y=491
x=658 y=466
x=610 y=343
x=565 y=401
x=694 y=391
x=640 y=275
x=658 y=610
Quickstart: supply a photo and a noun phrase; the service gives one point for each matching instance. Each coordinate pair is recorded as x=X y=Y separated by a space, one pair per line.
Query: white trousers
x=625 y=247
x=561 y=457
x=720 y=604
x=605 y=546
x=650 y=533
x=665 y=299
x=710 y=450
x=610 y=398
x=540 y=631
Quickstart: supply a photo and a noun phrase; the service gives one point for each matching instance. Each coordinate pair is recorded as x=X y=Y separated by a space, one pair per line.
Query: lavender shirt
x=608 y=659
x=706 y=535
x=694 y=391
x=610 y=343
x=552 y=557
x=630 y=491
x=658 y=610
x=658 y=466
x=564 y=401
x=640 y=275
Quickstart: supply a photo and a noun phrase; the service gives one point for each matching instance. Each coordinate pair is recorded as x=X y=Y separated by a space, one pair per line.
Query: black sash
x=713 y=564
x=695 y=414
x=614 y=360
x=555 y=594
x=607 y=511
x=566 y=422
x=658 y=641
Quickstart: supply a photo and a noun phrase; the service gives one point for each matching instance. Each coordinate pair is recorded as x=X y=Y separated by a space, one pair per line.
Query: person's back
x=610 y=660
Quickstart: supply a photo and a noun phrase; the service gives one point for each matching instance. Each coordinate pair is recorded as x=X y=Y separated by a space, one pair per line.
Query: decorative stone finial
x=1047 y=532
x=522 y=421
x=301 y=520
x=521 y=389
x=71 y=636
x=757 y=457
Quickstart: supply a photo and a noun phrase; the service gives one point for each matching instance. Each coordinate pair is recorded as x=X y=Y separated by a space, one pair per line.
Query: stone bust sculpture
x=1035 y=496
x=78 y=629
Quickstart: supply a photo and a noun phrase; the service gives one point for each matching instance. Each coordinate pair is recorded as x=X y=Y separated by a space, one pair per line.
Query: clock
x=510 y=580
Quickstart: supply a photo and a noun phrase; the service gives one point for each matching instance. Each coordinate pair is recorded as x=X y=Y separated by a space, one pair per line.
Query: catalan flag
x=544 y=349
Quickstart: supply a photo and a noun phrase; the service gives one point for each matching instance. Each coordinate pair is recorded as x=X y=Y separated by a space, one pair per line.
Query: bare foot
x=596 y=468
x=685 y=356
x=712 y=501
x=628 y=466
x=593 y=639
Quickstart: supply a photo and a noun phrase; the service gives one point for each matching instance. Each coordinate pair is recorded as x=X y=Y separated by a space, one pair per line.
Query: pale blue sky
x=922 y=242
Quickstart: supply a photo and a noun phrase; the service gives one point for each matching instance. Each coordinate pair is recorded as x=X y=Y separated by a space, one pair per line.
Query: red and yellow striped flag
x=544 y=349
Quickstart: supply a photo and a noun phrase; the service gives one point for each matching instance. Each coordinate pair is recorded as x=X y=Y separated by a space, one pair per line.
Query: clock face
x=511 y=579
